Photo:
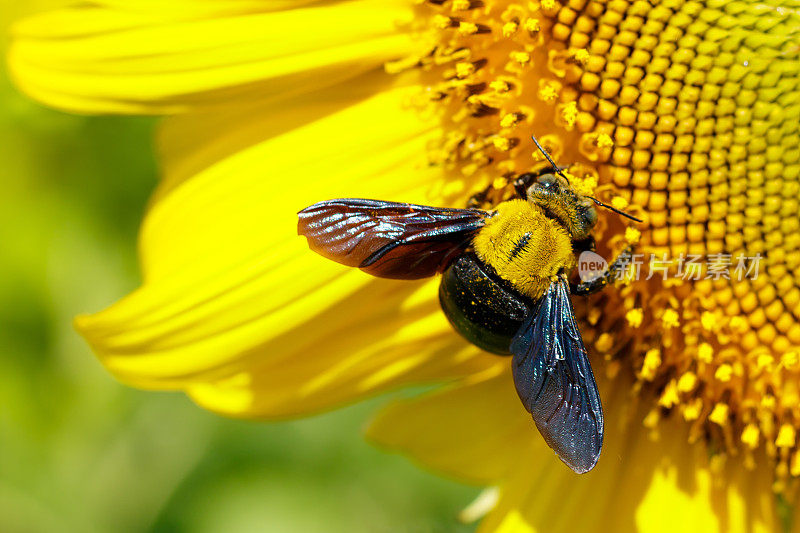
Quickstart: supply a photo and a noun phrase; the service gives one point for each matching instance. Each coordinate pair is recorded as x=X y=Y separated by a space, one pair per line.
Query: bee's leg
x=612 y=271
x=524 y=181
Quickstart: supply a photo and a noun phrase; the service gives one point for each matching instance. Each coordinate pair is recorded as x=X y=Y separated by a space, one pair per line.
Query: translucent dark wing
x=554 y=380
x=387 y=239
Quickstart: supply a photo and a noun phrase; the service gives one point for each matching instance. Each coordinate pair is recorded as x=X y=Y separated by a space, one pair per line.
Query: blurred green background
x=80 y=452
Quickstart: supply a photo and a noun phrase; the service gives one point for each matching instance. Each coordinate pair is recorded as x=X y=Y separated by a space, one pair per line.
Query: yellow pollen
x=652 y=360
x=581 y=56
x=499 y=86
x=618 y=202
x=461 y=5
x=509 y=120
x=499 y=183
x=548 y=5
x=634 y=317
x=705 y=353
x=719 y=415
x=509 y=28
x=790 y=360
x=570 y=113
x=584 y=186
x=687 y=382
x=724 y=373
x=750 y=436
x=520 y=57
x=501 y=143
x=467 y=28
x=464 y=69
x=786 y=437
x=708 y=320
x=442 y=22
x=669 y=397
x=632 y=235
x=548 y=93
x=670 y=318
x=692 y=410
x=765 y=361
x=532 y=25
x=604 y=141
x=604 y=343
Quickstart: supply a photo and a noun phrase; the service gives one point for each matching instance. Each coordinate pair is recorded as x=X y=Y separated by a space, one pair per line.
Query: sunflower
x=683 y=112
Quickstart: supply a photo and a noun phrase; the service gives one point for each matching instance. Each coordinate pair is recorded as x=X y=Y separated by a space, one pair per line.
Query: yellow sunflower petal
x=189 y=143
x=463 y=431
x=91 y=58
x=234 y=298
x=479 y=431
x=202 y=7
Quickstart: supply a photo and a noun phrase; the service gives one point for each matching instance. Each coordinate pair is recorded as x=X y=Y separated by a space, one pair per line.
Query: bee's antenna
x=550 y=159
x=618 y=211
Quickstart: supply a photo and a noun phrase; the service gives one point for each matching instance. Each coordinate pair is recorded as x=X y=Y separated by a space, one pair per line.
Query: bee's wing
x=554 y=380
x=388 y=239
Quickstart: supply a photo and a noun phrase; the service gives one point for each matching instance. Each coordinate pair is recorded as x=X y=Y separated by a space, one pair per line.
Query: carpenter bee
x=504 y=286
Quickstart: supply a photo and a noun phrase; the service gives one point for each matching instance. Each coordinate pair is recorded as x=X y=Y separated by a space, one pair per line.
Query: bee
x=504 y=286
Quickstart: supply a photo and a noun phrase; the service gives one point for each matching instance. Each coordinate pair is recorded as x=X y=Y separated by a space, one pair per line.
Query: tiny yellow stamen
x=604 y=343
x=501 y=143
x=634 y=317
x=464 y=69
x=520 y=57
x=442 y=22
x=581 y=56
x=670 y=318
x=786 y=436
x=570 y=113
x=669 y=397
x=687 y=382
x=708 y=320
x=509 y=120
x=719 y=415
x=548 y=93
x=499 y=86
x=724 y=373
x=705 y=352
x=652 y=360
x=532 y=25
x=604 y=141
x=618 y=202
x=509 y=28
x=632 y=235
x=692 y=410
x=750 y=436
x=467 y=28
x=790 y=360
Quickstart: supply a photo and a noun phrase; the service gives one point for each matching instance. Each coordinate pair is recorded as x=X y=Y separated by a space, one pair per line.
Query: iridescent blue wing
x=388 y=239
x=554 y=380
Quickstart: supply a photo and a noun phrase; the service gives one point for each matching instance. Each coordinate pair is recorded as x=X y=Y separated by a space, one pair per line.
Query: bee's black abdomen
x=481 y=309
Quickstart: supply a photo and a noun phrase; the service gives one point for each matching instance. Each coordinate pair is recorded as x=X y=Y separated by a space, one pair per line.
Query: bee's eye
x=591 y=216
x=547 y=181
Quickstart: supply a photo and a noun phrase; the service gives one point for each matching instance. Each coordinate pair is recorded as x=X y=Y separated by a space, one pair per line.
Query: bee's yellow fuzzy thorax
x=524 y=247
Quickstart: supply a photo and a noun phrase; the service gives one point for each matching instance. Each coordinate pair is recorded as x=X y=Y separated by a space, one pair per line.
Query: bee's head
x=553 y=193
